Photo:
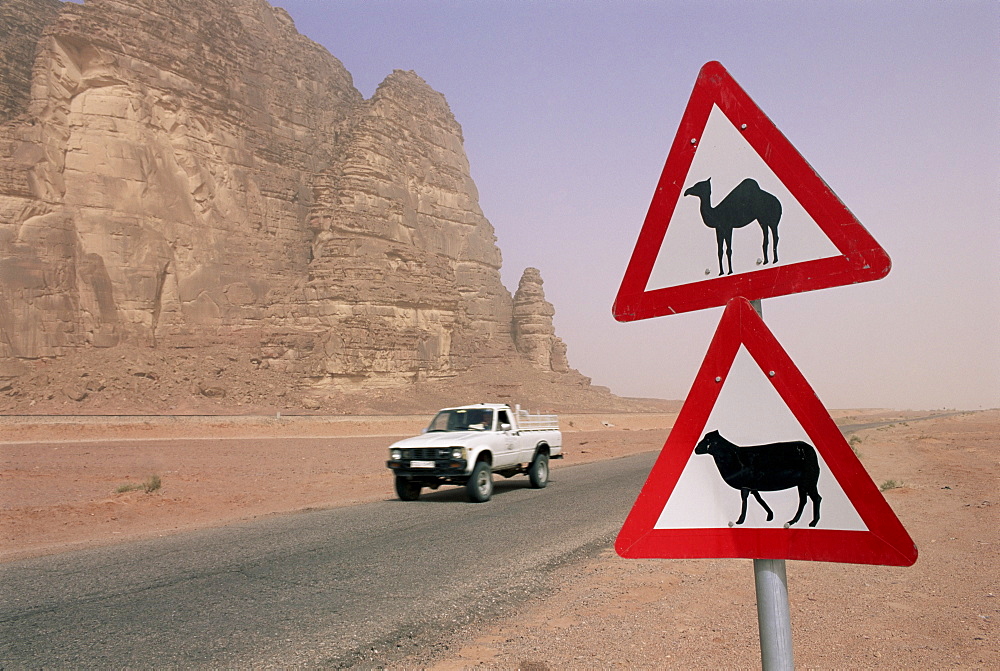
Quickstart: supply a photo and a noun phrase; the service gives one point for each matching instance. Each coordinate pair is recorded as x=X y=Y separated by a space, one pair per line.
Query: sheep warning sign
x=738 y=212
x=756 y=468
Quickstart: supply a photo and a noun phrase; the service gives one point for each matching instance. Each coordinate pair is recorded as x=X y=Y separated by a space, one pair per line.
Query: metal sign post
x=774 y=619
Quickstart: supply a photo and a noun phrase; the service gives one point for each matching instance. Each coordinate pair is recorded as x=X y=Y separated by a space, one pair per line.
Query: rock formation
x=181 y=176
x=534 y=333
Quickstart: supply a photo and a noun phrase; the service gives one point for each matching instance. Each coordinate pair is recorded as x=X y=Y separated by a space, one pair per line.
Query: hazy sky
x=568 y=110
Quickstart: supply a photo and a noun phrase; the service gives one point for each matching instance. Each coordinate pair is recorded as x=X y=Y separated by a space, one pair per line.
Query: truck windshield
x=472 y=419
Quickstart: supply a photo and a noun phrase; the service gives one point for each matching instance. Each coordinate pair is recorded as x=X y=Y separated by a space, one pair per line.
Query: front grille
x=427 y=453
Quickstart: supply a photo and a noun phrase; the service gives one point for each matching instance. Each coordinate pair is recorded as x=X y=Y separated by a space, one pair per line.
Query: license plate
x=421 y=464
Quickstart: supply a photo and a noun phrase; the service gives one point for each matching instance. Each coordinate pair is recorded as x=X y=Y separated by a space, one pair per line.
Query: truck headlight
x=395 y=455
x=458 y=453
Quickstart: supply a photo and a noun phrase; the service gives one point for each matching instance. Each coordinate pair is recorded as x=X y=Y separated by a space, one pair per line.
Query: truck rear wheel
x=479 y=486
x=407 y=489
x=538 y=472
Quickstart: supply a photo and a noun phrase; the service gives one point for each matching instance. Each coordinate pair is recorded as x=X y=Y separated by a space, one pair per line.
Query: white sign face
x=691 y=247
x=748 y=412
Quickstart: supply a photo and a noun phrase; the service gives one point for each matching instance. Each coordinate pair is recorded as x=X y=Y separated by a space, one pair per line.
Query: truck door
x=510 y=439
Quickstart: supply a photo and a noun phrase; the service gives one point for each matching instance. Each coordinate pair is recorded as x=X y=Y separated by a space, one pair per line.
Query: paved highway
x=343 y=587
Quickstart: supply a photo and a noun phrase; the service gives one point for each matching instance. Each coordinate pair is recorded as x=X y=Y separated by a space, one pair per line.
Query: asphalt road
x=353 y=586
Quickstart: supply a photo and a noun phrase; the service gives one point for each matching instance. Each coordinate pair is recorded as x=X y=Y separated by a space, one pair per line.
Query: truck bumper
x=442 y=468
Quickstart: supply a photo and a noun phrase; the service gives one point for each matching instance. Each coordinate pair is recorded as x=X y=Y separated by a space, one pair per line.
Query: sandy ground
x=58 y=491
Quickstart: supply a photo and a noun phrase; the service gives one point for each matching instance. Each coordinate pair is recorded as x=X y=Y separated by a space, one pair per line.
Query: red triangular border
x=885 y=542
x=862 y=258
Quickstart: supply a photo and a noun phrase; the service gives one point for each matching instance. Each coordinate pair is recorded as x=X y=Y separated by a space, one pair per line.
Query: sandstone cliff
x=188 y=183
x=22 y=23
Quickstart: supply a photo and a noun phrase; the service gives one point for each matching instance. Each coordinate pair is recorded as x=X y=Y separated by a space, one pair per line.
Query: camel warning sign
x=756 y=468
x=738 y=212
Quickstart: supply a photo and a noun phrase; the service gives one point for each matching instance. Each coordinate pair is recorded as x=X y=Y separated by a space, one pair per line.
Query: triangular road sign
x=765 y=192
x=749 y=391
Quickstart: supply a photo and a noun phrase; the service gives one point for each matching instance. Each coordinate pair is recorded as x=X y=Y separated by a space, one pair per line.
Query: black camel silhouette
x=744 y=204
x=756 y=468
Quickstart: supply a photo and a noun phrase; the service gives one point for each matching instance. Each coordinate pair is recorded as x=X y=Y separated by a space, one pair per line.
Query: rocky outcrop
x=178 y=175
x=534 y=333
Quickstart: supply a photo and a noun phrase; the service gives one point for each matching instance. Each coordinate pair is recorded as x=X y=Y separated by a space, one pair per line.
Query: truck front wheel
x=407 y=489
x=479 y=486
x=538 y=472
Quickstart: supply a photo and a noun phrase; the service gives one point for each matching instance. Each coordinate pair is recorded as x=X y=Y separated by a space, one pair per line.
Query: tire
x=479 y=486
x=407 y=489
x=538 y=472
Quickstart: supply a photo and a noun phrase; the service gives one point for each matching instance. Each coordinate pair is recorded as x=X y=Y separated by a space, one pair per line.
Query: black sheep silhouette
x=766 y=468
x=744 y=204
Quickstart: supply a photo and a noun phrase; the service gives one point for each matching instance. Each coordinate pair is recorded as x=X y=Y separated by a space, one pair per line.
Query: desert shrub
x=151 y=484
x=854 y=442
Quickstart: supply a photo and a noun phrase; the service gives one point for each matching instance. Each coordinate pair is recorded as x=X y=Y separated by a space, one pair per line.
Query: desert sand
x=63 y=482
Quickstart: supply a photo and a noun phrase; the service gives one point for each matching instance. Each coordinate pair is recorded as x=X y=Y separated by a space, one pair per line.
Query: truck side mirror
x=505 y=427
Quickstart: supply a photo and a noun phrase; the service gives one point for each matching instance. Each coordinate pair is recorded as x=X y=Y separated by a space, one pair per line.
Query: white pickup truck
x=468 y=444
